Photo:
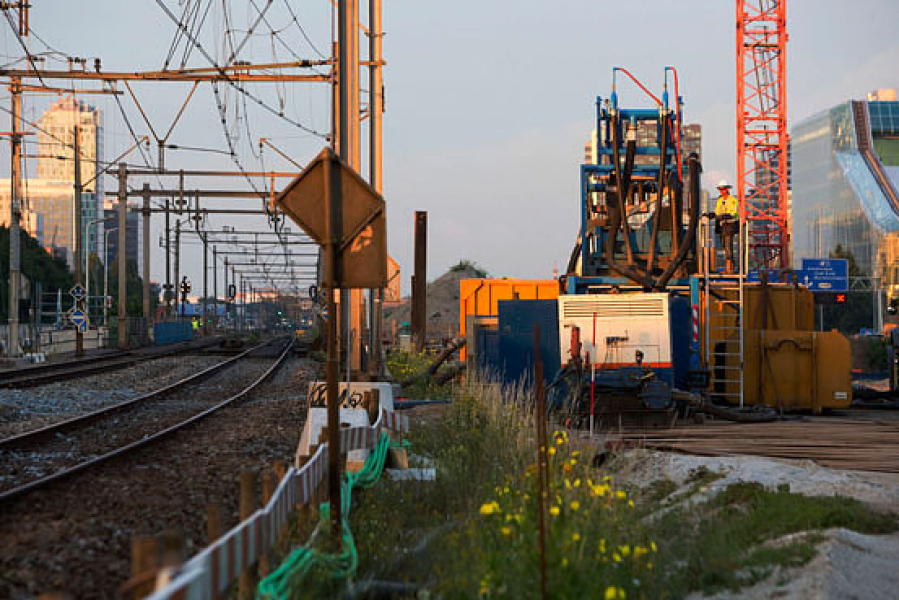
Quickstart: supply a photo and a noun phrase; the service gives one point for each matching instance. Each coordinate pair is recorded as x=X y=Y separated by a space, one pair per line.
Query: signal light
x=841 y=298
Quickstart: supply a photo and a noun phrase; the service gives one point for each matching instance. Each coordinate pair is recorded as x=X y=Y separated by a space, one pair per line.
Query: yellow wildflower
x=615 y=593
x=564 y=562
x=616 y=557
x=621 y=494
x=576 y=537
x=577 y=482
x=625 y=550
x=575 y=505
x=602 y=545
x=507 y=531
x=653 y=547
x=554 y=510
x=640 y=551
x=576 y=453
x=567 y=484
x=559 y=441
x=490 y=508
x=505 y=490
x=485 y=586
x=631 y=503
x=607 y=478
x=551 y=451
x=649 y=566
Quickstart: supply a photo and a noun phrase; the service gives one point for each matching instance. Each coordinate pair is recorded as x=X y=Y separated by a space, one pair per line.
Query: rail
x=92 y=365
x=29 y=437
x=214 y=569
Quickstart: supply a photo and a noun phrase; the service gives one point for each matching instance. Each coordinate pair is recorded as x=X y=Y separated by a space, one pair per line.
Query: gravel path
x=27 y=409
x=75 y=536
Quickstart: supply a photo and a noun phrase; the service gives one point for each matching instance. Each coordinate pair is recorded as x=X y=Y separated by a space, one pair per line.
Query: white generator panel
x=625 y=325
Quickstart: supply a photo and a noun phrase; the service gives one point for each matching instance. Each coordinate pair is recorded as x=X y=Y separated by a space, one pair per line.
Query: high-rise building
x=51 y=194
x=845 y=184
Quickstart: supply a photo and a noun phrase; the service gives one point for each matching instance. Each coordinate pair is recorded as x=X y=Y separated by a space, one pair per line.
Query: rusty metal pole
x=148 y=317
x=375 y=114
x=215 y=290
x=15 y=141
x=122 y=256
x=79 y=236
x=420 y=286
x=166 y=295
x=542 y=466
x=333 y=202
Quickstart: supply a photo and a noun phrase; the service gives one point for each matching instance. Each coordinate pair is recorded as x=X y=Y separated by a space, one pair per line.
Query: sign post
x=345 y=215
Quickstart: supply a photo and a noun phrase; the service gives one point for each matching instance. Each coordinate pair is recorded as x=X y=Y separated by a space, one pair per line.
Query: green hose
x=339 y=565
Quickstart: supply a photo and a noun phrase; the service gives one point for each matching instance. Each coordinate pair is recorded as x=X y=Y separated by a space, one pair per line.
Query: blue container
x=172 y=333
x=517 y=319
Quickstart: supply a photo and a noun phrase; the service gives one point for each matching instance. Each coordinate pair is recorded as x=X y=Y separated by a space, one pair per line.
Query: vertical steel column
x=205 y=285
x=166 y=295
x=176 y=286
x=420 y=281
x=215 y=289
x=79 y=235
x=148 y=317
x=227 y=290
x=15 y=141
x=122 y=258
x=375 y=113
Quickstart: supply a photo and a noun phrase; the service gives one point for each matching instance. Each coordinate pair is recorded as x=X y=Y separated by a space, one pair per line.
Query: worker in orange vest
x=727 y=222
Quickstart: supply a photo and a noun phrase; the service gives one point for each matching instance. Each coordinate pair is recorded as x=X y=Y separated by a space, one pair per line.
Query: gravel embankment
x=75 y=535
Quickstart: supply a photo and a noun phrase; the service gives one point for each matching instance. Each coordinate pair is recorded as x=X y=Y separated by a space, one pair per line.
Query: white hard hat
x=723 y=184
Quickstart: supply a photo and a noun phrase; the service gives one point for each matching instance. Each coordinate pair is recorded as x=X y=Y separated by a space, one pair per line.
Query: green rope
x=339 y=565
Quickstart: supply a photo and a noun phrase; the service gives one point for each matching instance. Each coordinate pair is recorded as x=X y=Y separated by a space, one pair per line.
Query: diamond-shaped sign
x=79 y=319
x=77 y=292
x=362 y=261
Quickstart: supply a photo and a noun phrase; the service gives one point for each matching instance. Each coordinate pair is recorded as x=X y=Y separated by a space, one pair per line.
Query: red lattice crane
x=762 y=137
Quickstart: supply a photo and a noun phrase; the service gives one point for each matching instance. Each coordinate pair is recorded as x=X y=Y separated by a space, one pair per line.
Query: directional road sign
x=77 y=292
x=825 y=274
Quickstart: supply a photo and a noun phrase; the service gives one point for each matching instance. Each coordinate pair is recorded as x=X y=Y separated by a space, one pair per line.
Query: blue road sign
x=825 y=274
x=77 y=292
x=79 y=319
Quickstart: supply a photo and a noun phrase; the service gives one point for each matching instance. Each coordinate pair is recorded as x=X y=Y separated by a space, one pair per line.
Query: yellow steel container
x=785 y=362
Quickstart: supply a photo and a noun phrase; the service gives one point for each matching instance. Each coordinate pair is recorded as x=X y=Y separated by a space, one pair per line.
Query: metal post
x=14 y=233
x=79 y=236
x=420 y=283
x=333 y=201
x=227 y=293
x=106 y=275
x=122 y=259
x=375 y=112
x=215 y=289
x=205 y=284
x=176 y=285
x=168 y=263
x=146 y=252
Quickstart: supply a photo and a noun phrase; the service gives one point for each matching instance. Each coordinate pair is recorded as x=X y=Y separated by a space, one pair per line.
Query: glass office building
x=846 y=188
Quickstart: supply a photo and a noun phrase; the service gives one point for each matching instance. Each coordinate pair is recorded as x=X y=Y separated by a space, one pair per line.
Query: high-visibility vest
x=726 y=205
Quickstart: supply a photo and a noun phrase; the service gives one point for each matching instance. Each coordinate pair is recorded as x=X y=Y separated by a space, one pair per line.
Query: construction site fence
x=214 y=569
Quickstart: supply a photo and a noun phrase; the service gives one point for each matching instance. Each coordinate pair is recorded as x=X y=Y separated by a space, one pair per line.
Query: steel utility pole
x=176 y=288
x=14 y=234
x=227 y=293
x=215 y=289
x=123 y=281
x=420 y=282
x=146 y=252
x=205 y=285
x=79 y=239
x=167 y=293
x=375 y=113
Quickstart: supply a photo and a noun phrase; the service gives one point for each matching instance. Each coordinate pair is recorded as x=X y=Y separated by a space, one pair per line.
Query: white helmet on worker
x=723 y=184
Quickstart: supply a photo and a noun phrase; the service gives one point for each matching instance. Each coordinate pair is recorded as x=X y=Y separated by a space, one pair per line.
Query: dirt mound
x=442 y=304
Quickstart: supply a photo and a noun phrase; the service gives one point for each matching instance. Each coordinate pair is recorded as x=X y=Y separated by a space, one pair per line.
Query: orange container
x=478 y=298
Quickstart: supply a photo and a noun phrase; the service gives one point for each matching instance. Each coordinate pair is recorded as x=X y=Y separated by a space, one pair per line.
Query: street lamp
x=106 y=274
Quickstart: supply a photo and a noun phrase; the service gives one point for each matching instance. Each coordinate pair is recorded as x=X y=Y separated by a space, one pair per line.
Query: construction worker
x=727 y=222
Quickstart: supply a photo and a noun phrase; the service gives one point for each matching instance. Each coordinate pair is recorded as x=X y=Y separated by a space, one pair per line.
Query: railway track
x=52 y=372
x=79 y=443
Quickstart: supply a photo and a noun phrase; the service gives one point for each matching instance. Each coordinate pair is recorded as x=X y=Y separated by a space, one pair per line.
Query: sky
x=488 y=104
